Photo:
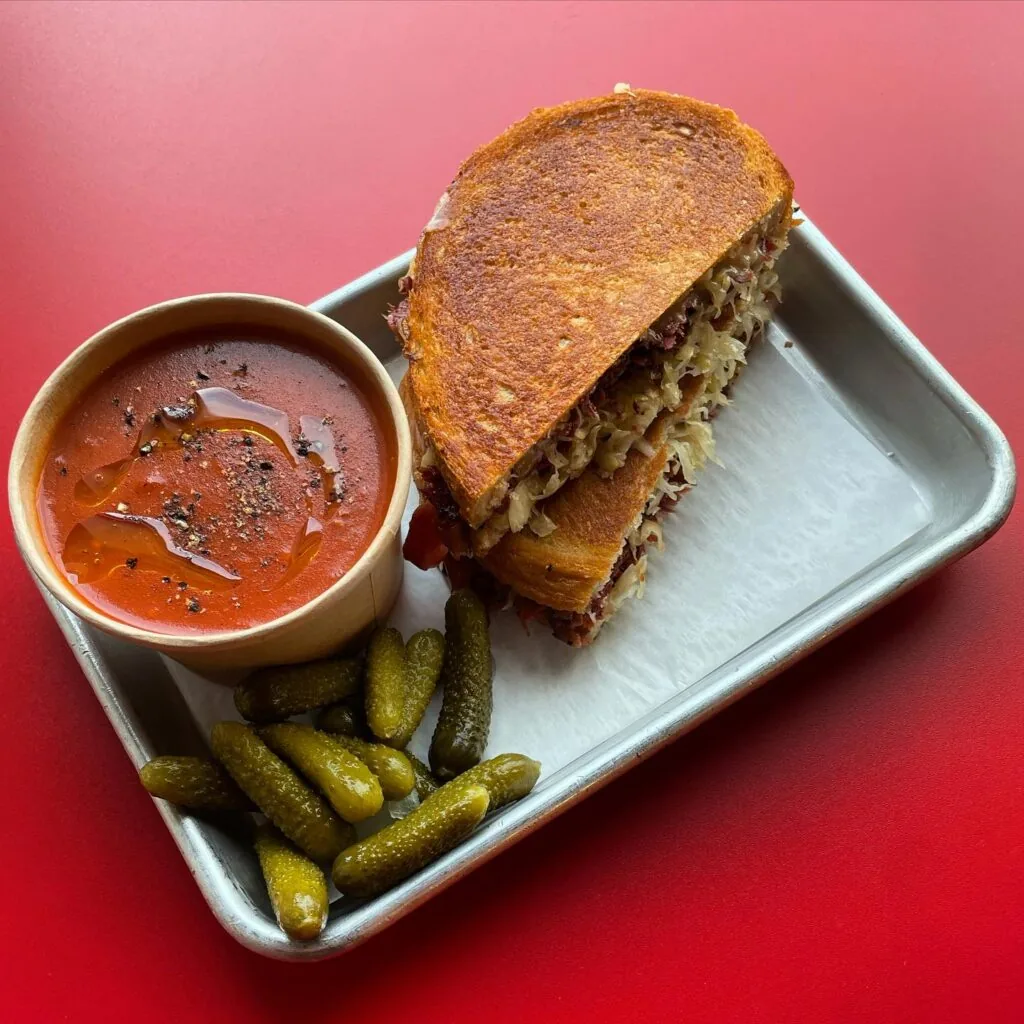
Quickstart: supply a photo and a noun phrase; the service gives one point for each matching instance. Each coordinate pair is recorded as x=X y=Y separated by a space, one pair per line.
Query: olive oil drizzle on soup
x=215 y=481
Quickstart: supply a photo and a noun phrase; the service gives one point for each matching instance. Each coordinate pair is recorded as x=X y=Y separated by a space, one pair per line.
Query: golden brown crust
x=415 y=430
x=593 y=515
x=556 y=246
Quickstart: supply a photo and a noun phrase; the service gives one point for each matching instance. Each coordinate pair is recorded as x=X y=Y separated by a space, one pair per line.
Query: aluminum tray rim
x=599 y=766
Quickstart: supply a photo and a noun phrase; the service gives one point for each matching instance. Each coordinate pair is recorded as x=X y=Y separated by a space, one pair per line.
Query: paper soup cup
x=345 y=611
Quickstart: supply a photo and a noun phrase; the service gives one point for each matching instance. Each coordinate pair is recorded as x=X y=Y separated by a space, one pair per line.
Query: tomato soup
x=215 y=481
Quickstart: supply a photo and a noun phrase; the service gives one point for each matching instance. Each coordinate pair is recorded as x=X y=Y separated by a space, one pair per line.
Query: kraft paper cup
x=336 y=618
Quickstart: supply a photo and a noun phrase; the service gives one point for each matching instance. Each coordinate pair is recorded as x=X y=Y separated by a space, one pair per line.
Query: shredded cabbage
x=652 y=534
x=691 y=447
x=736 y=293
x=630 y=584
x=541 y=525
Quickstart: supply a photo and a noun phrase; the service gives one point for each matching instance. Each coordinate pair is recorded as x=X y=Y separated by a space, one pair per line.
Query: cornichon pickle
x=347 y=717
x=195 y=782
x=274 y=694
x=424 y=654
x=296 y=886
x=279 y=793
x=350 y=787
x=461 y=733
x=396 y=851
x=506 y=777
x=385 y=683
x=391 y=767
x=425 y=782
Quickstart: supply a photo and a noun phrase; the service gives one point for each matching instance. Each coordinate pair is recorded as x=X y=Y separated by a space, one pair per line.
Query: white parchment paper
x=802 y=503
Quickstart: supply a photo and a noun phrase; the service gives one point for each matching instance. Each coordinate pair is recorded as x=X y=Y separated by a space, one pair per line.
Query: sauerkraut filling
x=705 y=336
x=691 y=447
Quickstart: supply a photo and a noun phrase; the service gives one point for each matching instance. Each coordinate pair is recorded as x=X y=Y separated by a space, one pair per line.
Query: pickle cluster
x=314 y=782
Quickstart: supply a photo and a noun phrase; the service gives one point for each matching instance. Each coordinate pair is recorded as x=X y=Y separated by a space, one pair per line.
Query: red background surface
x=846 y=844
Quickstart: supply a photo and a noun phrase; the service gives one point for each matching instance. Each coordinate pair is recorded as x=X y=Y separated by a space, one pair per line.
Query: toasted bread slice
x=419 y=442
x=555 y=248
x=593 y=516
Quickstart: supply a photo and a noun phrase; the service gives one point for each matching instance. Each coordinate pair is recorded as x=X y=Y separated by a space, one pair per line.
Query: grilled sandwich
x=576 y=310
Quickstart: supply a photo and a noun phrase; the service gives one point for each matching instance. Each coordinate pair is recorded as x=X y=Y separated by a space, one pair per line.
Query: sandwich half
x=577 y=269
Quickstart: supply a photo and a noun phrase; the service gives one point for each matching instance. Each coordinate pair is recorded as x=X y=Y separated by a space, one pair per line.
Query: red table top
x=846 y=844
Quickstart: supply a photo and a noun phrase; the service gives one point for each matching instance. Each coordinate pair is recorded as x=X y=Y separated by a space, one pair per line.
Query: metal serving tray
x=843 y=349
